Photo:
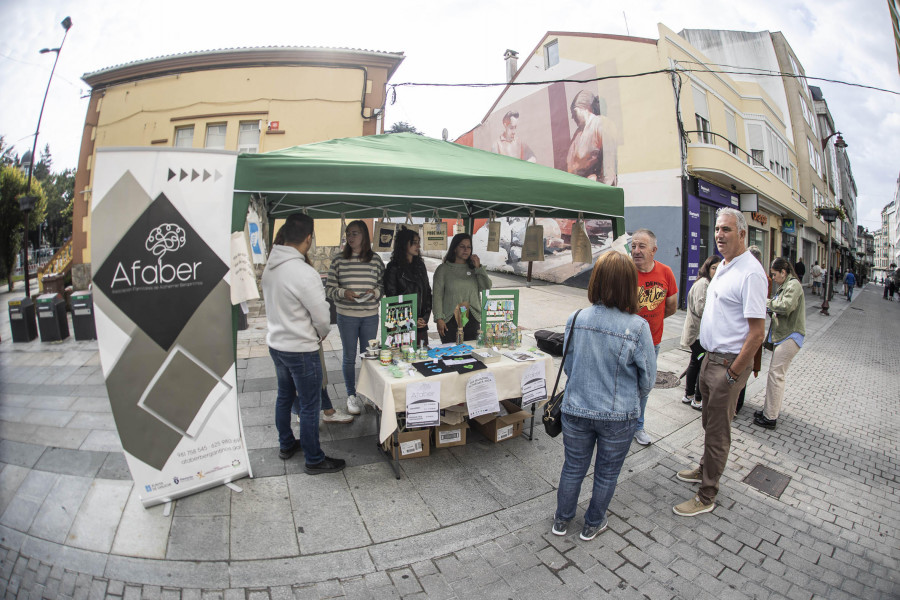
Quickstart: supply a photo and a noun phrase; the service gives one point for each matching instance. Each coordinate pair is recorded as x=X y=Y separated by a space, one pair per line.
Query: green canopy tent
x=406 y=174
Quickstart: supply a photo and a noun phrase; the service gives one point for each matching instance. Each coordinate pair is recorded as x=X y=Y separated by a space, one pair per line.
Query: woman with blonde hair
x=611 y=370
x=690 y=334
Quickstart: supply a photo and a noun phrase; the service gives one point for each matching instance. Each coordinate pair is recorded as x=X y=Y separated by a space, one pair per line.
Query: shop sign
x=717 y=194
x=788 y=226
x=759 y=218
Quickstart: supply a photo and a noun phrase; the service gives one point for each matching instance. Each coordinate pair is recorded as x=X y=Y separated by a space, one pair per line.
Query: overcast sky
x=443 y=41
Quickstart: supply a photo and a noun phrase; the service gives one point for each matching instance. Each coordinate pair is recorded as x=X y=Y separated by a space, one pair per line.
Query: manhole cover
x=768 y=481
x=666 y=380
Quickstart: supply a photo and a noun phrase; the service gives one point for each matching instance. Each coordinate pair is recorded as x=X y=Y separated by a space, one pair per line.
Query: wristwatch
x=728 y=377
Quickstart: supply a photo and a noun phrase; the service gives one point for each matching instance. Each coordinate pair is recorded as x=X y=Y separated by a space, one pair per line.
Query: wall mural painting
x=572 y=127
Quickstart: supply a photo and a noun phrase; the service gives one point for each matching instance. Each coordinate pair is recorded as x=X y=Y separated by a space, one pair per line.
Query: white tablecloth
x=389 y=393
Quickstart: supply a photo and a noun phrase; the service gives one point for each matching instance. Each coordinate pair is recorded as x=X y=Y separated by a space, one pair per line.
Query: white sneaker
x=354 y=405
x=687 y=400
x=642 y=437
x=338 y=416
x=696 y=405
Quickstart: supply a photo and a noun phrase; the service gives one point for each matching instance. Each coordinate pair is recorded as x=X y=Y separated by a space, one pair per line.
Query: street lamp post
x=27 y=202
x=830 y=215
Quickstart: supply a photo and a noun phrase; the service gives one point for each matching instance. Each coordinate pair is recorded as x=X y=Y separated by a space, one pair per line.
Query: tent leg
x=528 y=278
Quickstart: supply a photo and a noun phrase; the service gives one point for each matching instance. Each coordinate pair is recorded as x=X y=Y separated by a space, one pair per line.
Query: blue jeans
x=299 y=376
x=640 y=421
x=355 y=335
x=850 y=291
x=326 y=402
x=581 y=436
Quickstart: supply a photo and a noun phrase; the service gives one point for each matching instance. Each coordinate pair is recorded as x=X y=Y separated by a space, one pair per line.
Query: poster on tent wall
x=160 y=249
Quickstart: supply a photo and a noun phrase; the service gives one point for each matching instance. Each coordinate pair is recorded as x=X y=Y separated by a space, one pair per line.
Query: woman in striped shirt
x=355 y=285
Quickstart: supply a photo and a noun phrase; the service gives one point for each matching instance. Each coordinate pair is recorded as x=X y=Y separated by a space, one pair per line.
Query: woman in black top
x=406 y=274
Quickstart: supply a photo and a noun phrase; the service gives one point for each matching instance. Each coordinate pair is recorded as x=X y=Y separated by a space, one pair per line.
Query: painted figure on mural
x=592 y=152
x=509 y=144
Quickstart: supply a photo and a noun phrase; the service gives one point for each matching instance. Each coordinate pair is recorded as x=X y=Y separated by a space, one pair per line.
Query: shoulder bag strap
x=565 y=351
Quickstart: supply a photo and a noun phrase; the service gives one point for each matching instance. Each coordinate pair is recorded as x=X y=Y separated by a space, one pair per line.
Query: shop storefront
x=704 y=200
x=758 y=233
x=789 y=239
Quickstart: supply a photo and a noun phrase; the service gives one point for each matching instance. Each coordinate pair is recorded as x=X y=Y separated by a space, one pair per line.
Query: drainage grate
x=666 y=380
x=768 y=481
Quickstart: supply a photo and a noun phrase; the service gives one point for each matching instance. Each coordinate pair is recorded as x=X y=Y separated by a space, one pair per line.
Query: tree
x=7 y=156
x=60 y=191
x=42 y=168
x=12 y=185
x=404 y=127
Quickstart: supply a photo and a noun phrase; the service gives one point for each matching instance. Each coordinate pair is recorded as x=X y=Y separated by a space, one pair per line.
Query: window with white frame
x=551 y=54
x=184 y=137
x=755 y=142
x=731 y=131
x=813 y=155
x=769 y=151
x=215 y=136
x=248 y=137
x=701 y=114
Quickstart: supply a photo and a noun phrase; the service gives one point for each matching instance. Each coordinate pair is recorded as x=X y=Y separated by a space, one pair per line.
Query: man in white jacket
x=298 y=320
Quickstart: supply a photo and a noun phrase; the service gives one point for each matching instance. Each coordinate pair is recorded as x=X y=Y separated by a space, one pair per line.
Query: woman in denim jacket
x=611 y=370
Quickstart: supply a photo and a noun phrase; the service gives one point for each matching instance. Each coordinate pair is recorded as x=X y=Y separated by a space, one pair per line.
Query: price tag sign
x=423 y=404
x=481 y=395
x=534 y=384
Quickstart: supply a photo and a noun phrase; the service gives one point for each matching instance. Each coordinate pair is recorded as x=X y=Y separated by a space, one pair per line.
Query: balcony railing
x=719 y=140
x=705 y=137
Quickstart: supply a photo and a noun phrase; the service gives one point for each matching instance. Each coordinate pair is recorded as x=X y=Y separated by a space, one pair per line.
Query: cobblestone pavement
x=831 y=534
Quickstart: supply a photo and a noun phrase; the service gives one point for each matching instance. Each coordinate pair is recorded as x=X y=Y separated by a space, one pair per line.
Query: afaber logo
x=159 y=264
x=167 y=238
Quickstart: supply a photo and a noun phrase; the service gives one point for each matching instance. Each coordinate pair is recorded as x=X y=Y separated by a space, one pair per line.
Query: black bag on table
x=552 y=417
x=550 y=341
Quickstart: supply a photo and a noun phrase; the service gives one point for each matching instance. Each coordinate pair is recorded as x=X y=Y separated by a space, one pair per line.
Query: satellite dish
x=444 y=134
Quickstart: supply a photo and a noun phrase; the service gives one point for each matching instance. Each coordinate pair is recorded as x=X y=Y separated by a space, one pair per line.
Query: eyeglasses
x=354 y=233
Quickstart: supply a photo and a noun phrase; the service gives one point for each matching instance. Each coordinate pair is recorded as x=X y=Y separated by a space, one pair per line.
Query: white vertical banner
x=160 y=256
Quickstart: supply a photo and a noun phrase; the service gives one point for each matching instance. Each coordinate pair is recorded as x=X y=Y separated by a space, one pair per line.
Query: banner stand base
x=194 y=489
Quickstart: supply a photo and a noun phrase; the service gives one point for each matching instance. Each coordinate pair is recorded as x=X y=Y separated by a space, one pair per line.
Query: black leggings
x=470 y=331
x=693 y=371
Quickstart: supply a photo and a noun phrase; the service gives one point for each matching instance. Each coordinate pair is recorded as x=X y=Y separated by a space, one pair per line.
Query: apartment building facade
x=650 y=116
x=245 y=100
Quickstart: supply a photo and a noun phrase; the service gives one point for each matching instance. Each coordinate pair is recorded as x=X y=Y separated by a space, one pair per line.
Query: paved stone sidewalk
x=832 y=534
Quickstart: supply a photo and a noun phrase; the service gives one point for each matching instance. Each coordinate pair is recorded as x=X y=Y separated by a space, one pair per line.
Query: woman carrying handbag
x=611 y=369
x=786 y=334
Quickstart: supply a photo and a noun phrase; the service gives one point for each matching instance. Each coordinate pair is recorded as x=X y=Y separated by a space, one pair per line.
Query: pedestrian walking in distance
x=611 y=368
x=732 y=328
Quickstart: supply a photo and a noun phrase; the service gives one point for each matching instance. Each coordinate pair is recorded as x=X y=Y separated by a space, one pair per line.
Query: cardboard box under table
x=411 y=443
x=389 y=393
x=497 y=428
x=450 y=435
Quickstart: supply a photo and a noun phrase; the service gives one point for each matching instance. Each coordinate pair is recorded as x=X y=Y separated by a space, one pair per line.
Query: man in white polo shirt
x=733 y=327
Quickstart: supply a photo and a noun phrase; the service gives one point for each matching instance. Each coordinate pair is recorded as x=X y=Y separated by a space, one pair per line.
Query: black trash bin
x=83 y=315
x=22 y=320
x=52 y=321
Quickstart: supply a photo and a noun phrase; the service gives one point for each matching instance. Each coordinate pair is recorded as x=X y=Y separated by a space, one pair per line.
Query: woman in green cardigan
x=459 y=280
x=788 y=308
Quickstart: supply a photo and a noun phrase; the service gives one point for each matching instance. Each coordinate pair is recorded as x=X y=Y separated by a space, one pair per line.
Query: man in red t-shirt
x=657 y=298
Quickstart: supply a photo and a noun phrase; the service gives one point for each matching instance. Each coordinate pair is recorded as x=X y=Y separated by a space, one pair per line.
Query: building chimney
x=512 y=64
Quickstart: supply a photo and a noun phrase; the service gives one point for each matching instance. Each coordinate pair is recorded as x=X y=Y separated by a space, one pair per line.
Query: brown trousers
x=719 y=405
